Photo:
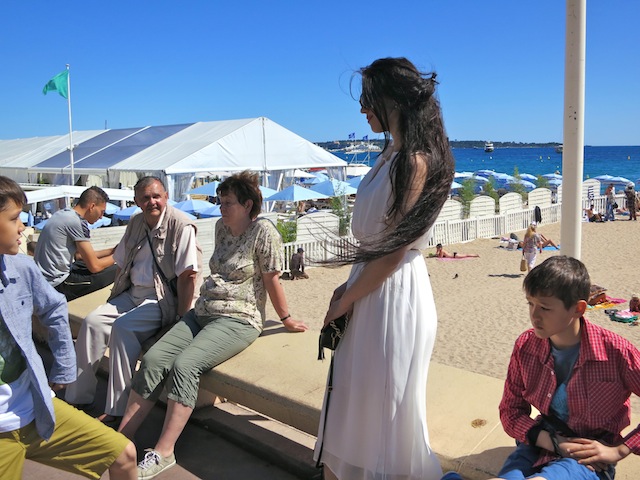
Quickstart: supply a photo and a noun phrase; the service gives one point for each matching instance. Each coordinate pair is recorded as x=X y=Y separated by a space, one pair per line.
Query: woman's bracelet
x=288 y=315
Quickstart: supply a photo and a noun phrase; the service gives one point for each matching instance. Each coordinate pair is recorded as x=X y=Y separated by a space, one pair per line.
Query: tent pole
x=573 y=134
x=70 y=126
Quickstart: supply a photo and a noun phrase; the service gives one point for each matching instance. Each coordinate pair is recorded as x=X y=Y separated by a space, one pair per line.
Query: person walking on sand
x=630 y=193
x=375 y=425
x=610 y=193
x=531 y=245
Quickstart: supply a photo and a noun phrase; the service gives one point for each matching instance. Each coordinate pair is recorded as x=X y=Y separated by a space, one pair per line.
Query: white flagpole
x=70 y=126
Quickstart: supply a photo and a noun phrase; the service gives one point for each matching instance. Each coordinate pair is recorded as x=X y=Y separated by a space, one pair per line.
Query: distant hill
x=338 y=144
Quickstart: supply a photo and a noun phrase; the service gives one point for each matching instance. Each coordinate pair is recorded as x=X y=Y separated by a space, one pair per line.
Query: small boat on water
x=559 y=148
x=488 y=147
x=362 y=148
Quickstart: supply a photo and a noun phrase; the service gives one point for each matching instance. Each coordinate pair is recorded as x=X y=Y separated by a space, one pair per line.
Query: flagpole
x=70 y=127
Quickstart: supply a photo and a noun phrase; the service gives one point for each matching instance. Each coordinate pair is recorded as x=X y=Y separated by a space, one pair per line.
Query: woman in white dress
x=375 y=424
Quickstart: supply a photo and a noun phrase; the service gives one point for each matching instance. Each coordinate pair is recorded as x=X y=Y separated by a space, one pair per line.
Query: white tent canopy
x=175 y=153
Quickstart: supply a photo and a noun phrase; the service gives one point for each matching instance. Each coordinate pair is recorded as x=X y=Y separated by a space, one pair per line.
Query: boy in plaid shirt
x=578 y=375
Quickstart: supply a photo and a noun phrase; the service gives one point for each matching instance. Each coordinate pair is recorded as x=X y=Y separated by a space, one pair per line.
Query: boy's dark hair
x=245 y=186
x=562 y=277
x=31 y=247
x=10 y=191
x=93 y=195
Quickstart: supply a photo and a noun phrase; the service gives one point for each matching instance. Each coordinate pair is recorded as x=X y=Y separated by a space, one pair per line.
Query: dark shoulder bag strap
x=155 y=260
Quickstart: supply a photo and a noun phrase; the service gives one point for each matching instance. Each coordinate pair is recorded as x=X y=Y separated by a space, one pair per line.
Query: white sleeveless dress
x=376 y=426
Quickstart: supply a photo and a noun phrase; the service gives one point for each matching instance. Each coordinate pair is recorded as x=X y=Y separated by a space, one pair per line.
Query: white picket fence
x=321 y=243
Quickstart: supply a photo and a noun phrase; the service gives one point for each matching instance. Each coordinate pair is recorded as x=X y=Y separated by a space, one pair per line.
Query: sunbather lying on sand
x=442 y=253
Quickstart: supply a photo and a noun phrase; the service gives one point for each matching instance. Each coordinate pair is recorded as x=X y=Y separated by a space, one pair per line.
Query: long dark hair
x=396 y=84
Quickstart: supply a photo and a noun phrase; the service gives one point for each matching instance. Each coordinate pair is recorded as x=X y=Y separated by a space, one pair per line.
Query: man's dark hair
x=93 y=195
x=10 y=192
x=562 y=277
x=144 y=182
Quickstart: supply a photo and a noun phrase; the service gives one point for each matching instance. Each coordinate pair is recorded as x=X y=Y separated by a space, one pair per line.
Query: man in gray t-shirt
x=64 y=252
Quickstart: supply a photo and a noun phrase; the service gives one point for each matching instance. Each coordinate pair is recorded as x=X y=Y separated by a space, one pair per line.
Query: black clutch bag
x=331 y=334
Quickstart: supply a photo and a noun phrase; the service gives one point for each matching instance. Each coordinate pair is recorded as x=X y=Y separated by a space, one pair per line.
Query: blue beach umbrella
x=484 y=173
x=40 y=225
x=27 y=218
x=555 y=182
x=503 y=177
x=355 y=181
x=613 y=179
x=526 y=184
x=208 y=189
x=455 y=185
x=462 y=175
x=101 y=222
x=211 y=212
x=552 y=176
x=267 y=192
x=334 y=188
x=319 y=177
x=295 y=193
x=529 y=177
x=111 y=208
x=126 y=213
x=193 y=206
x=479 y=179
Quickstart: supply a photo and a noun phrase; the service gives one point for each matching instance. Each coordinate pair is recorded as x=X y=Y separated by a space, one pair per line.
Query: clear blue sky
x=140 y=62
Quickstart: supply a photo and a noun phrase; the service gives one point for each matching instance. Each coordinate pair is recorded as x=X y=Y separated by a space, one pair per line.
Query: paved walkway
x=201 y=452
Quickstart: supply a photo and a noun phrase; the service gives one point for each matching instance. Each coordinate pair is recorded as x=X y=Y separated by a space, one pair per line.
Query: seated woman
x=227 y=317
x=442 y=253
x=593 y=215
x=545 y=242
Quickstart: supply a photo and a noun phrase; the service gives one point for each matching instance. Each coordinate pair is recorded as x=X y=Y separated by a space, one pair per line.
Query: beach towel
x=608 y=303
x=624 y=316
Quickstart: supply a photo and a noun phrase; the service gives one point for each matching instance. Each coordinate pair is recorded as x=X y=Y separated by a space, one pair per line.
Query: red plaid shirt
x=606 y=372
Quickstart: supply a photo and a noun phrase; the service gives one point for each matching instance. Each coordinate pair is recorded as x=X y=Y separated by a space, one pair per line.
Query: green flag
x=59 y=83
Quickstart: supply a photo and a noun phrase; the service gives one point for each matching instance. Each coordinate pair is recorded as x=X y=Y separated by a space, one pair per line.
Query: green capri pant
x=193 y=346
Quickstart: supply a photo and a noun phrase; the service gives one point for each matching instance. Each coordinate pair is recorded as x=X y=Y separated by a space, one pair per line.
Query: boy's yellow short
x=80 y=444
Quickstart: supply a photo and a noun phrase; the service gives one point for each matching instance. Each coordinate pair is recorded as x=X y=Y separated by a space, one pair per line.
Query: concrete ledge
x=279 y=377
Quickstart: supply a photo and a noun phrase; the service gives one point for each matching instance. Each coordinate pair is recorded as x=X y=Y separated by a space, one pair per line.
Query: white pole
x=573 y=135
x=73 y=182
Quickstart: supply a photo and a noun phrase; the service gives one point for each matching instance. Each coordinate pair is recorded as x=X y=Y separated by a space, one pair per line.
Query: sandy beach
x=481 y=306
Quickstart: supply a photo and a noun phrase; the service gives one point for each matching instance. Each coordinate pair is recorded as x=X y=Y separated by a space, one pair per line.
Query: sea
x=616 y=161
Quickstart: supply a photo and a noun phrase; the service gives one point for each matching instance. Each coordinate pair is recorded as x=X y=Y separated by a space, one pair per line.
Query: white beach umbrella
x=297 y=173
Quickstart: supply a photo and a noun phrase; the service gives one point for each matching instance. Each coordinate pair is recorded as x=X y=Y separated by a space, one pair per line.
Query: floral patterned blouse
x=235 y=287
